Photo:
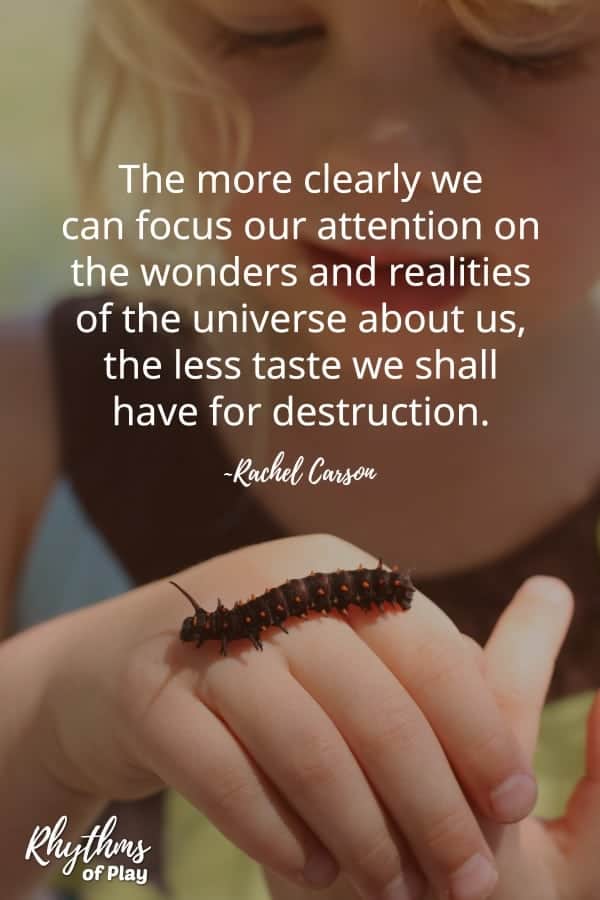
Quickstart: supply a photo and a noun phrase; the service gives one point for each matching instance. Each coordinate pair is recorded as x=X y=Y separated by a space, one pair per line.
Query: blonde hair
x=507 y=24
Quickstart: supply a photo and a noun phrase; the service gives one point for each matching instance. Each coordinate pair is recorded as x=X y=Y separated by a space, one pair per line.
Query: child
x=305 y=766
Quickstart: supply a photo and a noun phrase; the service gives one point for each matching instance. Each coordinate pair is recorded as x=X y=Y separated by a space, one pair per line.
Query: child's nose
x=390 y=135
x=377 y=140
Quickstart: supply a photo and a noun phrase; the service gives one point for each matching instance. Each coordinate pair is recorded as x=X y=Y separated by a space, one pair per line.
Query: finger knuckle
x=230 y=792
x=443 y=669
x=328 y=541
x=450 y=835
x=315 y=764
x=393 y=727
x=377 y=858
x=514 y=699
x=329 y=550
x=491 y=749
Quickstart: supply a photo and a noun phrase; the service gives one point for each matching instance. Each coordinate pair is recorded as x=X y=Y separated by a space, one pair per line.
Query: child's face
x=364 y=84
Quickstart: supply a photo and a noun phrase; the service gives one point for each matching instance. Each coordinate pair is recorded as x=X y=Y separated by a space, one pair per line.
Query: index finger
x=521 y=652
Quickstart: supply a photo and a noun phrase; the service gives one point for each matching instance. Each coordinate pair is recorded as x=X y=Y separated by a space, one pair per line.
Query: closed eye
x=542 y=66
x=243 y=41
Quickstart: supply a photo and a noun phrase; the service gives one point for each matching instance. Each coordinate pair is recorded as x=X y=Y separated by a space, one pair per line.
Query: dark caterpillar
x=322 y=593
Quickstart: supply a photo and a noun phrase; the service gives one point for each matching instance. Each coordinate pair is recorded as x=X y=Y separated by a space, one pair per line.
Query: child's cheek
x=273 y=151
x=562 y=192
x=548 y=167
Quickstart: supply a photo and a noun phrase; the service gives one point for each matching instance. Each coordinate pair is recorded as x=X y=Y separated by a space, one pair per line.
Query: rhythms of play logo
x=47 y=845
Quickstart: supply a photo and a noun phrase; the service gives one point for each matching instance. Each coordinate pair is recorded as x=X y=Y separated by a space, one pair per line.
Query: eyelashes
x=541 y=66
x=267 y=43
x=274 y=40
x=276 y=45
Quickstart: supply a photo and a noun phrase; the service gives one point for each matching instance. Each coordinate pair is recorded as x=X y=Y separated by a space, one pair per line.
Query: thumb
x=522 y=650
x=581 y=824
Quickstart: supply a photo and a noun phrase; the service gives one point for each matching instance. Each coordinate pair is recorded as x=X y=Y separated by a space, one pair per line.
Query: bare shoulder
x=29 y=447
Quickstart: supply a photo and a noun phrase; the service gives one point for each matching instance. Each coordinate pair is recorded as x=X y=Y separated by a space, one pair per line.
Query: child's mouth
x=370 y=277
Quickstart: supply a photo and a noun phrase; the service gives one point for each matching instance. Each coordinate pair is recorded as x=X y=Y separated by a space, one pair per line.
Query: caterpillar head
x=187 y=629
x=192 y=626
x=191 y=629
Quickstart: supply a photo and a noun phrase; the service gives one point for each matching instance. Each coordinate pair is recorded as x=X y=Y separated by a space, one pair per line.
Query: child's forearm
x=31 y=790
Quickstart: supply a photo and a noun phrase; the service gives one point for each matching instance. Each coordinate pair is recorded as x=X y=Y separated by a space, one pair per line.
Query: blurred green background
x=39 y=47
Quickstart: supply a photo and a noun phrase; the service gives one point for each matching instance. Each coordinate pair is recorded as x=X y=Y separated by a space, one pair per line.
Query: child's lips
x=402 y=295
x=359 y=252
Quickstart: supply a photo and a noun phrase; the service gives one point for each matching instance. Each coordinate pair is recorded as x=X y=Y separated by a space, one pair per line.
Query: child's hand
x=538 y=860
x=356 y=743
